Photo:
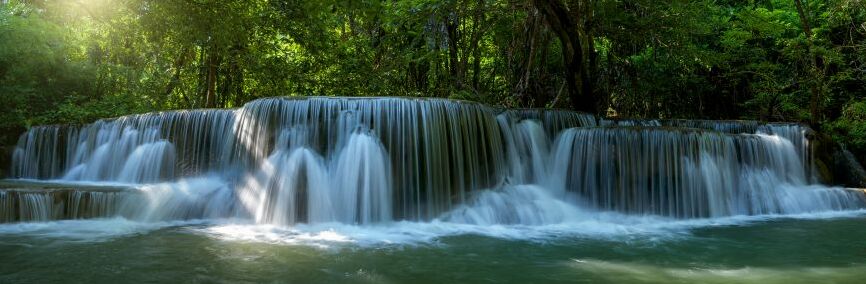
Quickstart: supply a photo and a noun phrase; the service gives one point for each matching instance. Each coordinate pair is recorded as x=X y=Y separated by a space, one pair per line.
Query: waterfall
x=687 y=173
x=362 y=181
x=285 y=161
x=519 y=204
x=28 y=205
x=288 y=181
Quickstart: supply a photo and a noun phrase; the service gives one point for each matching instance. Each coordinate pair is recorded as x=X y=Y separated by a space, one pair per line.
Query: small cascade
x=198 y=198
x=528 y=147
x=150 y=162
x=41 y=151
x=362 y=187
x=187 y=199
x=138 y=148
x=520 y=204
x=688 y=173
x=724 y=126
x=285 y=161
x=295 y=185
x=35 y=205
x=92 y=204
x=553 y=120
x=288 y=181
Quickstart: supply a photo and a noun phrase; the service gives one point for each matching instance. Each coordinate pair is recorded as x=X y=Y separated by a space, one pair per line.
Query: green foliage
x=77 y=61
x=851 y=127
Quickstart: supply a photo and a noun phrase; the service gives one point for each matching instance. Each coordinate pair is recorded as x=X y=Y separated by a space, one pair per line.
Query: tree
x=77 y=61
x=814 y=87
x=564 y=23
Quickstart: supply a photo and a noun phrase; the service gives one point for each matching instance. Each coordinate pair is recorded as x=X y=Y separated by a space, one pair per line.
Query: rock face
x=822 y=149
x=834 y=164
x=5 y=161
x=847 y=170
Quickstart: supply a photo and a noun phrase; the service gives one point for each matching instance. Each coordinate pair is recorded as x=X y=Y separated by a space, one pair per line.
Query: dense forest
x=74 y=61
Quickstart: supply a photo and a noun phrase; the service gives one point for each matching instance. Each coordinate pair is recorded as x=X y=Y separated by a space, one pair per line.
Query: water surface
x=814 y=248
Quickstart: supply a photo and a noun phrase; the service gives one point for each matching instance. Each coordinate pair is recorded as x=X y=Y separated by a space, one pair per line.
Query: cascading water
x=688 y=173
x=362 y=188
x=285 y=161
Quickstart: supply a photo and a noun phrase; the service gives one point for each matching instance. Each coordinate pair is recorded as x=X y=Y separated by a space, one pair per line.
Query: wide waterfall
x=285 y=161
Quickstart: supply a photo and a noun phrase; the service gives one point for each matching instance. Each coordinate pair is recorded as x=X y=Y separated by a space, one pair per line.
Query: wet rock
x=823 y=149
x=834 y=164
x=847 y=170
x=5 y=161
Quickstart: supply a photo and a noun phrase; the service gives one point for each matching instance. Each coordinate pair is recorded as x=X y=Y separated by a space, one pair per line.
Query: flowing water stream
x=388 y=189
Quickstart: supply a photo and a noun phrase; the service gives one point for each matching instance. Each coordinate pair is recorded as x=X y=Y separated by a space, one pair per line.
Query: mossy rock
x=834 y=164
x=823 y=152
x=825 y=173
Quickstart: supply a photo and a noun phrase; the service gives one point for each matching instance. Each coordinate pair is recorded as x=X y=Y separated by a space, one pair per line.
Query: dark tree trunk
x=816 y=61
x=476 y=37
x=561 y=23
x=175 y=78
x=523 y=90
x=210 y=91
x=451 y=27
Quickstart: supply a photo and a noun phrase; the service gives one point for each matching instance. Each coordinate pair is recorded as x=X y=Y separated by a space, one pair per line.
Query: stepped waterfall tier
x=286 y=161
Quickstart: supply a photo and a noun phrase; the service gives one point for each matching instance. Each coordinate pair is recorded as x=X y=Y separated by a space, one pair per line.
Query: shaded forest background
x=74 y=61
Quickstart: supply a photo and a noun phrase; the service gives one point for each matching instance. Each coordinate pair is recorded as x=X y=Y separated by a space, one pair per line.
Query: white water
x=341 y=170
x=594 y=225
x=198 y=198
x=296 y=185
x=92 y=230
x=362 y=183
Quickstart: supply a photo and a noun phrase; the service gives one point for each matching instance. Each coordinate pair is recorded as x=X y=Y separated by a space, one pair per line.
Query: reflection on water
x=625 y=272
x=818 y=248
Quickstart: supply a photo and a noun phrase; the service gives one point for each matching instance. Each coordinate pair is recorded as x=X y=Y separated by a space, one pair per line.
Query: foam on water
x=90 y=230
x=186 y=199
x=609 y=226
x=512 y=212
x=633 y=272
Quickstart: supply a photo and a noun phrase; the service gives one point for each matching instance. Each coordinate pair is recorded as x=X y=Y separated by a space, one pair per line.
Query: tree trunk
x=562 y=24
x=476 y=37
x=175 y=78
x=590 y=57
x=814 y=87
x=451 y=26
x=522 y=89
x=210 y=92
